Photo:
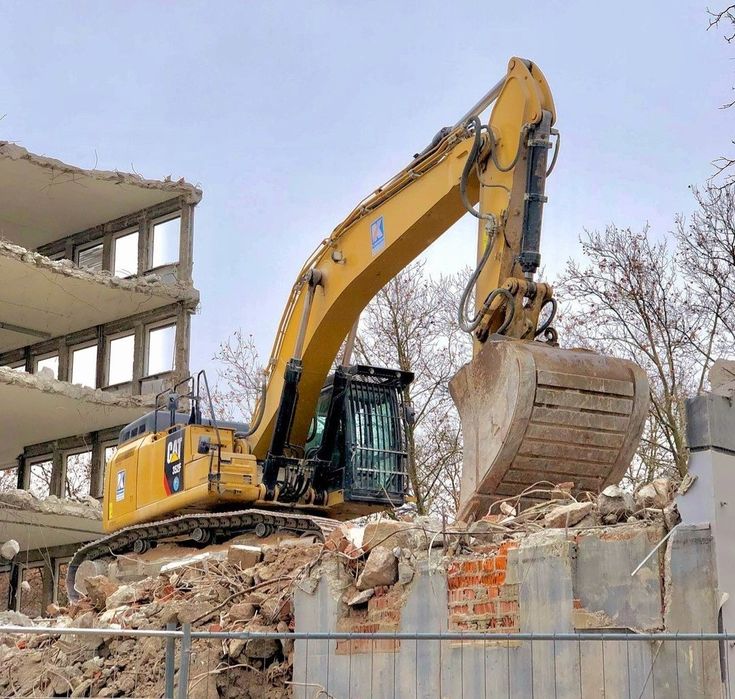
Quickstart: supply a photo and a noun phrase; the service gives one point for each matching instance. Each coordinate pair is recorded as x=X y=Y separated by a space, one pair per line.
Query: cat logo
x=173 y=476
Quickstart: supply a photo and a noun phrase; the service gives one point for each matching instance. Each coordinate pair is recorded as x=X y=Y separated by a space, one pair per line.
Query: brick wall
x=479 y=597
x=381 y=613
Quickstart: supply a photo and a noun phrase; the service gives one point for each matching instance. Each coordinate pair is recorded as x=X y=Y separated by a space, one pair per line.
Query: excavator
x=323 y=447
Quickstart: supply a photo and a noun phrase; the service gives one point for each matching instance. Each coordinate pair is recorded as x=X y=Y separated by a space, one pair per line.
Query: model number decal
x=173 y=480
x=377 y=235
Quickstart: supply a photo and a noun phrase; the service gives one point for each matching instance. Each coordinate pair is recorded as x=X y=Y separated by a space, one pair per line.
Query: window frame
x=179 y=214
x=46 y=355
x=169 y=322
x=122 y=234
x=76 y=348
x=97 y=242
x=108 y=357
x=34 y=461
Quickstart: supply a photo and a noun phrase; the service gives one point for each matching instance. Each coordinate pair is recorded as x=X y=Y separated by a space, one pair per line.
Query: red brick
x=488 y=565
x=484 y=608
x=577 y=603
x=460 y=609
x=507 y=606
x=501 y=563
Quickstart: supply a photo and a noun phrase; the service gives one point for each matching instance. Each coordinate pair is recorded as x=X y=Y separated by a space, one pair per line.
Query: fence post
x=170 y=661
x=184 y=665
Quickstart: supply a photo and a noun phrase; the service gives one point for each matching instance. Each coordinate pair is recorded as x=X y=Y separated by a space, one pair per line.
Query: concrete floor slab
x=43 y=199
x=38 y=409
x=58 y=298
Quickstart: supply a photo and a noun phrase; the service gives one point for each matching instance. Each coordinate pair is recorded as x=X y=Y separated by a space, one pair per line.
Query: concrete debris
x=568 y=515
x=381 y=568
x=87 y=507
x=722 y=377
x=210 y=592
x=150 y=284
x=615 y=504
x=658 y=494
x=244 y=556
x=9 y=549
x=361 y=597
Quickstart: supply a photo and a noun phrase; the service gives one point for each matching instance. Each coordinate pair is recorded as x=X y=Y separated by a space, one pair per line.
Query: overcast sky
x=288 y=113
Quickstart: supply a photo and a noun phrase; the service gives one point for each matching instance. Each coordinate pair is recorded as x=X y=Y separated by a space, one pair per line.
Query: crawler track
x=217 y=524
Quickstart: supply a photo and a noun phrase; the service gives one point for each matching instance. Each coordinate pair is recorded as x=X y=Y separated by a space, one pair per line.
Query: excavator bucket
x=531 y=412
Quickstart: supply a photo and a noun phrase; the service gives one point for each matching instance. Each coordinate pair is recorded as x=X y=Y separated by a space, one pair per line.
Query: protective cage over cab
x=360 y=429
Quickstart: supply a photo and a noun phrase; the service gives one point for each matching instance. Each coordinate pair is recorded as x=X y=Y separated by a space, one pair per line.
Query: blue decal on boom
x=377 y=235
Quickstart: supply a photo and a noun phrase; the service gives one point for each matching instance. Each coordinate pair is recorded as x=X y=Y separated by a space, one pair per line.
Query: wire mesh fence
x=332 y=665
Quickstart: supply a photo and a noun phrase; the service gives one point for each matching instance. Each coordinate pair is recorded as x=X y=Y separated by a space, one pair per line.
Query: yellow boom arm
x=398 y=221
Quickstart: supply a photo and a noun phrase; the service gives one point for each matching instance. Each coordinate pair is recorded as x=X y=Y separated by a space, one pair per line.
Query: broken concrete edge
x=149 y=284
x=191 y=193
x=42 y=382
x=88 y=508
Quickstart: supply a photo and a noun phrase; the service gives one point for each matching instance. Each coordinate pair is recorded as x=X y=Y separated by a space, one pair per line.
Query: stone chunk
x=9 y=549
x=244 y=556
x=361 y=597
x=381 y=568
x=121 y=596
x=390 y=533
x=568 y=515
x=242 y=612
x=99 y=588
x=656 y=494
x=615 y=504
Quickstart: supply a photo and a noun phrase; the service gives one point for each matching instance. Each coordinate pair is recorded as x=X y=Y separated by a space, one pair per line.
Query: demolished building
x=95 y=308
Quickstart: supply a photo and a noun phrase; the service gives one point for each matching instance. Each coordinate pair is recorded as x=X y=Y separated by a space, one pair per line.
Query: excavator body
x=320 y=447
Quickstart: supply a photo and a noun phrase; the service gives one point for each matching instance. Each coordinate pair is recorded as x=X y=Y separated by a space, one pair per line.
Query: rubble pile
x=248 y=584
x=213 y=592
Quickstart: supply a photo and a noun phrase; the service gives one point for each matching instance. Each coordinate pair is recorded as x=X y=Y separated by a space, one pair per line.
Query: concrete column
x=711 y=498
x=47 y=582
x=63 y=360
x=183 y=331
x=58 y=472
x=138 y=358
x=101 y=357
x=107 y=252
x=97 y=467
x=14 y=586
x=144 y=235
x=24 y=474
x=186 y=244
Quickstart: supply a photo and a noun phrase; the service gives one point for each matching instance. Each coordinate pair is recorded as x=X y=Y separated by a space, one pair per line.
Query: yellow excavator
x=323 y=447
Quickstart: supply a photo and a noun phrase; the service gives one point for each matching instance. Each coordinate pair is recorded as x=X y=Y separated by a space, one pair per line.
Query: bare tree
x=240 y=376
x=670 y=309
x=627 y=299
x=724 y=19
x=409 y=325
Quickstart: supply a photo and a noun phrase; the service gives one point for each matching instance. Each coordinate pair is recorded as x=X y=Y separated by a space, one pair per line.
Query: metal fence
x=331 y=665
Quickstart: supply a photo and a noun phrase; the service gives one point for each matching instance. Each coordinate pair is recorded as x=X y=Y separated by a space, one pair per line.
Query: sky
x=288 y=113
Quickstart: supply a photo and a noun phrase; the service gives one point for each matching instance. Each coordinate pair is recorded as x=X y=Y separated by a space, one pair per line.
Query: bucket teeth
x=533 y=413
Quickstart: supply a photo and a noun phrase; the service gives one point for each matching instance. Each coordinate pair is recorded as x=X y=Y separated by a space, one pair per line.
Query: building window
x=78 y=474
x=160 y=349
x=90 y=257
x=47 y=363
x=8 y=480
x=16 y=366
x=120 y=359
x=125 y=254
x=40 y=477
x=31 y=600
x=165 y=242
x=61 y=569
x=84 y=365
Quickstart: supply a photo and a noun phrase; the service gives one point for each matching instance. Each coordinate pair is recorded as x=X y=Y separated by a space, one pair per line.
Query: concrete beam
x=57 y=298
x=43 y=524
x=42 y=409
x=43 y=199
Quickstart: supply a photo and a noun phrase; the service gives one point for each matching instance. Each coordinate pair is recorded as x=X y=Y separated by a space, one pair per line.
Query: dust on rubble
x=214 y=593
x=247 y=584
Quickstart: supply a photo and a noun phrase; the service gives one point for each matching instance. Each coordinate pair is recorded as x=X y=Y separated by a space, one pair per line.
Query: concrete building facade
x=95 y=304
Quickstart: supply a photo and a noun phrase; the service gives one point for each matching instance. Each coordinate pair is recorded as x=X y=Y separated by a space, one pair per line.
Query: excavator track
x=215 y=524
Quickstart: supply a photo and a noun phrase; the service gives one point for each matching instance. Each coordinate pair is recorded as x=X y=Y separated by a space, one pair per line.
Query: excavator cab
x=358 y=435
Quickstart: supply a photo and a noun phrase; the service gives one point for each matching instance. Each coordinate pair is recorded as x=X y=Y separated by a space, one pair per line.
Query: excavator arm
x=464 y=164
